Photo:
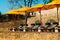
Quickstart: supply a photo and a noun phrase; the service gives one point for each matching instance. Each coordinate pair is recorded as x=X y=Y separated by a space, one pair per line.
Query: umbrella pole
x=26 y=18
x=40 y=16
x=57 y=15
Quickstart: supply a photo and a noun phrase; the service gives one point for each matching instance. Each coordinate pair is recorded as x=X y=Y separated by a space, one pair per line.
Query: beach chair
x=46 y=26
x=13 y=29
x=38 y=27
x=56 y=28
x=20 y=27
x=32 y=25
x=35 y=27
x=53 y=25
x=25 y=27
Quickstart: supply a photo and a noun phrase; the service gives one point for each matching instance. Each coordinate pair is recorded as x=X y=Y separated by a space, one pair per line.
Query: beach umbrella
x=12 y=11
x=37 y=7
x=24 y=10
x=51 y=5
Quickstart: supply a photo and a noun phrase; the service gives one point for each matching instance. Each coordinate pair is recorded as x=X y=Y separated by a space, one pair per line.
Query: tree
x=50 y=1
x=24 y=2
x=0 y=13
x=47 y=1
x=14 y=3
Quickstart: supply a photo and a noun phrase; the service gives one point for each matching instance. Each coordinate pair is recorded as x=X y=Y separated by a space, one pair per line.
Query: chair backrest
x=55 y=23
x=47 y=23
x=38 y=24
x=53 y=26
x=25 y=24
x=32 y=24
x=21 y=24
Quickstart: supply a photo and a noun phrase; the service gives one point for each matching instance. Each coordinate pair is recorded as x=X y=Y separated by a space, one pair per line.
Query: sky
x=4 y=5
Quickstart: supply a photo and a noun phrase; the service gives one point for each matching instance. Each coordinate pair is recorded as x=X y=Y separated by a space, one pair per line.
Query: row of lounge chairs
x=52 y=26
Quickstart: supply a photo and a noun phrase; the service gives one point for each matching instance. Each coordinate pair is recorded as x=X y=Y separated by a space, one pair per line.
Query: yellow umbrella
x=13 y=11
x=24 y=10
x=37 y=7
x=51 y=5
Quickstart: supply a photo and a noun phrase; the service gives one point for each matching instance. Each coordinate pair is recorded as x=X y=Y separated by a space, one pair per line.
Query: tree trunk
x=30 y=3
x=24 y=2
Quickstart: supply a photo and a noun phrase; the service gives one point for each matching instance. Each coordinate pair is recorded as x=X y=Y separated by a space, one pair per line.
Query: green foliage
x=22 y=17
x=4 y=16
x=0 y=13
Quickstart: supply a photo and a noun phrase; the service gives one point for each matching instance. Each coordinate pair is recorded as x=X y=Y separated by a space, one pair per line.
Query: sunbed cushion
x=35 y=27
x=47 y=23
x=52 y=26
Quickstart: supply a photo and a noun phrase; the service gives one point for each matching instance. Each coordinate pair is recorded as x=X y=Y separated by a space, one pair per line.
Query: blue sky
x=4 y=5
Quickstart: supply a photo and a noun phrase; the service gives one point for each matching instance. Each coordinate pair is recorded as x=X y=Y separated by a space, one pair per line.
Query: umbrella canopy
x=13 y=11
x=36 y=7
x=51 y=5
x=23 y=10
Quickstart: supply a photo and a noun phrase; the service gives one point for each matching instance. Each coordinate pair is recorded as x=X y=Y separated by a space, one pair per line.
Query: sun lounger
x=52 y=27
x=32 y=25
x=47 y=25
x=25 y=27
x=20 y=27
x=36 y=26
x=13 y=29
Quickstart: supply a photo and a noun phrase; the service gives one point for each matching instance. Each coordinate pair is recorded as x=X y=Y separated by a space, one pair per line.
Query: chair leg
x=56 y=30
x=13 y=30
x=34 y=30
x=31 y=29
x=53 y=30
x=24 y=30
x=39 y=30
x=42 y=30
x=21 y=30
x=49 y=30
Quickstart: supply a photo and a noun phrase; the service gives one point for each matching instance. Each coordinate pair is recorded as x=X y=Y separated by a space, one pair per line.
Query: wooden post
x=26 y=18
x=24 y=29
x=57 y=14
x=40 y=15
